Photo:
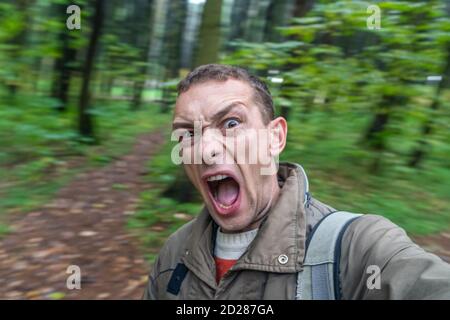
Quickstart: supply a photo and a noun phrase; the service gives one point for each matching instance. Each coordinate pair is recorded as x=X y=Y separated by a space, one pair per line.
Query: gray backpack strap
x=319 y=279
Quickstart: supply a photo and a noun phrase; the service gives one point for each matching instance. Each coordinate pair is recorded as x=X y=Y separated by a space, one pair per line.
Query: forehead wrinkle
x=182 y=121
x=200 y=102
x=227 y=109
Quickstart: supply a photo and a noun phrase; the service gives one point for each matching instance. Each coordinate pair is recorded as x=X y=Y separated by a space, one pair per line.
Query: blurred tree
x=208 y=45
x=409 y=63
x=65 y=60
x=85 y=124
x=173 y=40
x=297 y=9
x=420 y=151
x=190 y=33
x=256 y=20
x=123 y=46
x=302 y=7
x=278 y=14
x=239 y=16
x=333 y=61
x=16 y=18
x=141 y=31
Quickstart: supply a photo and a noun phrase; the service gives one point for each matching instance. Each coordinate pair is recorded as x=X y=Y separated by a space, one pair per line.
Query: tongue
x=227 y=192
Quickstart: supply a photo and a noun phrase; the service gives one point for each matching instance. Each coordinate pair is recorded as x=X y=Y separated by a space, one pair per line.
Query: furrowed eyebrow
x=217 y=116
x=182 y=125
x=221 y=113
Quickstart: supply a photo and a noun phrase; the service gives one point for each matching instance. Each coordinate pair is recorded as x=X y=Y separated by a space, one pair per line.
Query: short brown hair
x=219 y=72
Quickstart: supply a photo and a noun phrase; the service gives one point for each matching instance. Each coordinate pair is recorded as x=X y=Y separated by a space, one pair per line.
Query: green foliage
x=337 y=170
x=4 y=230
x=334 y=63
x=157 y=216
x=41 y=149
x=56 y=295
x=335 y=74
x=339 y=78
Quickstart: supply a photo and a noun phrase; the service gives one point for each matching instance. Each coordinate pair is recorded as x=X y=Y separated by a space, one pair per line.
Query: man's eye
x=231 y=123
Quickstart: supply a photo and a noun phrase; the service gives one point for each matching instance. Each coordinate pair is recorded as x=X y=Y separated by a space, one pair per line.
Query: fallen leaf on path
x=182 y=216
x=87 y=233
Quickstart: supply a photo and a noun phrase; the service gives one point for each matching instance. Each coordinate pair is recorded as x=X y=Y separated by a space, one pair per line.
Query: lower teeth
x=224 y=206
x=220 y=205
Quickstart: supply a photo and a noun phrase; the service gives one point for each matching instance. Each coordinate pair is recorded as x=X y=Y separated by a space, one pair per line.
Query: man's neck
x=276 y=190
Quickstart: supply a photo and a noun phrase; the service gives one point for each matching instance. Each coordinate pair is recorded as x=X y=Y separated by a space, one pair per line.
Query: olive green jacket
x=407 y=271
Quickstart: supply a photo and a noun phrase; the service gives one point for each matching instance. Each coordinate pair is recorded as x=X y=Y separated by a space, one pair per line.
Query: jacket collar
x=281 y=235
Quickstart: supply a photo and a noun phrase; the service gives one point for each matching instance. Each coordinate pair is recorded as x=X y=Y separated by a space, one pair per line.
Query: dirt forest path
x=85 y=226
x=437 y=243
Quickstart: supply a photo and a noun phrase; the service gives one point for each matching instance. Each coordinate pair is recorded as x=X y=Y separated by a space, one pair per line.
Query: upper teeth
x=217 y=177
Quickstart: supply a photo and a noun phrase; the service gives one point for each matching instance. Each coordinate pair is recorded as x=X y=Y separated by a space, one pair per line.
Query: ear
x=278 y=135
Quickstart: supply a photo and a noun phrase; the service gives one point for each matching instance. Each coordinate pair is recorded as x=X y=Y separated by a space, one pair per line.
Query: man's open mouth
x=224 y=192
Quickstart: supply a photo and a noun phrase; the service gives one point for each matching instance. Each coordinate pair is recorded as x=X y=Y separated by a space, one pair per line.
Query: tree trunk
x=375 y=136
x=136 y=98
x=257 y=16
x=142 y=41
x=239 y=16
x=175 y=23
x=62 y=69
x=85 y=124
x=107 y=82
x=209 y=37
x=302 y=7
x=277 y=15
x=297 y=8
x=420 y=151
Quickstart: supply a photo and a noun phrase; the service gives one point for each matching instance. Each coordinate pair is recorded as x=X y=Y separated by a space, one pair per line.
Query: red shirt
x=222 y=267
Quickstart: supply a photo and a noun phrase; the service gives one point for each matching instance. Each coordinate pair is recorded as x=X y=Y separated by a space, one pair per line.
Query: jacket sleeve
x=151 y=291
x=406 y=271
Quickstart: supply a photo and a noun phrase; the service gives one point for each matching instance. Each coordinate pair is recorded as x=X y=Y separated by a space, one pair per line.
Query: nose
x=212 y=147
